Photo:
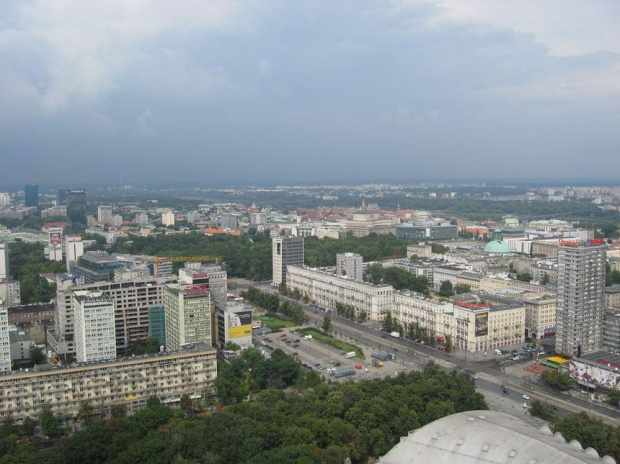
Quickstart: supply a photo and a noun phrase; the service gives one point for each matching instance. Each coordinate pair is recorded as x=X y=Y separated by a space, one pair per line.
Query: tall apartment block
x=350 y=265
x=31 y=192
x=580 y=296
x=105 y=214
x=188 y=315
x=212 y=275
x=5 y=343
x=94 y=326
x=286 y=251
x=4 y=261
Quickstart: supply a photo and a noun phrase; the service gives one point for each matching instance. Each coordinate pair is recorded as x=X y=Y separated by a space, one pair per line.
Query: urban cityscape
x=367 y=232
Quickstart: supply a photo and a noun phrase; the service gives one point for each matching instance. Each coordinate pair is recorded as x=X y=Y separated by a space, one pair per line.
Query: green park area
x=326 y=339
x=276 y=323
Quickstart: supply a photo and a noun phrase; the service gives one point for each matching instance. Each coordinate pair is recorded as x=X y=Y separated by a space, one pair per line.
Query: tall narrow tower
x=286 y=251
x=580 y=297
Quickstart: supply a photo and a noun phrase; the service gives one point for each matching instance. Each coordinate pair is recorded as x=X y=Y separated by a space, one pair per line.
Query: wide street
x=490 y=376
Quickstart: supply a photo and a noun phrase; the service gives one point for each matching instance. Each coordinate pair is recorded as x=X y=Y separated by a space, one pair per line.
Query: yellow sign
x=240 y=331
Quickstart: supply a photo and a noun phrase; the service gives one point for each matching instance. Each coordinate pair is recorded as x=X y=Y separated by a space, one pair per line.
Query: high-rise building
x=350 y=265
x=94 y=326
x=286 y=251
x=167 y=219
x=95 y=266
x=76 y=208
x=188 y=315
x=580 y=296
x=74 y=248
x=215 y=278
x=157 y=324
x=5 y=343
x=233 y=323
x=105 y=214
x=31 y=192
x=4 y=261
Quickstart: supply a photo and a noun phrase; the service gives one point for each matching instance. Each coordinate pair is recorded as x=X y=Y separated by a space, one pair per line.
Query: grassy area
x=322 y=337
x=276 y=323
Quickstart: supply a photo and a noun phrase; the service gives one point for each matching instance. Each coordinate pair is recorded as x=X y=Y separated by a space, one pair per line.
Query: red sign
x=196 y=289
x=597 y=241
x=570 y=243
x=196 y=275
x=604 y=361
x=471 y=305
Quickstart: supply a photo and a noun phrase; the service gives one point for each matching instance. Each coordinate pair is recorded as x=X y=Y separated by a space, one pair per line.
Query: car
x=296 y=345
x=475 y=377
x=358 y=366
x=288 y=342
x=283 y=336
x=505 y=390
x=337 y=363
x=296 y=340
x=268 y=340
x=525 y=397
x=295 y=353
x=317 y=365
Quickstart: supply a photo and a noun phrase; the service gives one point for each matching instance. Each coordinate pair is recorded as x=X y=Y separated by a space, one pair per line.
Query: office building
x=427 y=231
x=580 y=296
x=233 y=323
x=4 y=261
x=5 y=341
x=21 y=345
x=93 y=314
x=95 y=266
x=369 y=301
x=132 y=299
x=5 y=199
x=540 y=311
x=167 y=219
x=129 y=381
x=211 y=275
x=74 y=248
x=611 y=331
x=350 y=265
x=188 y=315
x=10 y=292
x=76 y=208
x=286 y=251
x=31 y=193
x=105 y=214
x=157 y=324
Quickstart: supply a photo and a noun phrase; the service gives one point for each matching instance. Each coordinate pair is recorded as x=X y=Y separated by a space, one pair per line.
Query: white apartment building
x=503 y=284
x=286 y=251
x=132 y=299
x=188 y=315
x=74 y=248
x=539 y=315
x=129 y=381
x=105 y=214
x=167 y=219
x=329 y=289
x=212 y=275
x=446 y=273
x=350 y=265
x=94 y=326
x=473 y=327
x=4 y=261
x=10 y=292
x=5 y=342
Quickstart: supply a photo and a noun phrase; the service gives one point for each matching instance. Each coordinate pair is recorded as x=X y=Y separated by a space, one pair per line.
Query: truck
x=338 y=373
x=376 y=363
x=350 y=354
x=394 y=334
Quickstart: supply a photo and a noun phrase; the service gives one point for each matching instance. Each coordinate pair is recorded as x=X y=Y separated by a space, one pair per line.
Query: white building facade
x=188 y=315
x=94 y=326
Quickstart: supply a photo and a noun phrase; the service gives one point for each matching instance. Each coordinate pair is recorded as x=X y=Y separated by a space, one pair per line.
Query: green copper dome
x=497 y=245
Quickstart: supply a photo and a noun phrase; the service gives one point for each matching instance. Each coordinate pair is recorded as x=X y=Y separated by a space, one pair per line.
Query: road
x=420 y=354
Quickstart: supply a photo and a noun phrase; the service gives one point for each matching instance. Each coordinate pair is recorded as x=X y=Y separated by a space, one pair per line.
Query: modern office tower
x=76 y=208
x=31 y=192
x=213 y=276
x=188 y=315
x=5 y=343
x=4 y=261
x=157 y=324
x=580 y=296
x=74 y=248
x=95 y=338
x=350 y=265
x=95 y=266
x=286 y=251
x=167 y=219
x=105 y=214
x=62 y=196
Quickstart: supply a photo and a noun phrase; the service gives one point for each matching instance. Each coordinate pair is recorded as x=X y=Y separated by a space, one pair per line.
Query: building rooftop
x=613 y=289
x=98 y=257
x=487 y=437
x=17 y=336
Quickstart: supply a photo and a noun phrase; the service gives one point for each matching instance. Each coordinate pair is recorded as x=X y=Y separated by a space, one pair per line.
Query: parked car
x=358 y=366
x=525 y=397
x=296 y=345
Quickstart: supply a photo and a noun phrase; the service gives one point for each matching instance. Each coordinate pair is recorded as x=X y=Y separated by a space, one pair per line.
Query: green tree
x=438 y=249
x=28 y=427
x=118 y=411
x=232 y=346
x=542 y=410
x=525 y=277
x=37 y=356
x=327 y=323
x=446 y=288
x=49 y=425
x=560 y=380
x=545 y=279
x=85 y=411
x=462 y=288
x=613 y=396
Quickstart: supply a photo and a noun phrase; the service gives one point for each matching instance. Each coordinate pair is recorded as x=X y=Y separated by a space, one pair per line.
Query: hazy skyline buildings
x=415 y=89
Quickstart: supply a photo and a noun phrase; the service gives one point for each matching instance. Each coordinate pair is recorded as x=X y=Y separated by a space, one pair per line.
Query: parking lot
x=315 y=355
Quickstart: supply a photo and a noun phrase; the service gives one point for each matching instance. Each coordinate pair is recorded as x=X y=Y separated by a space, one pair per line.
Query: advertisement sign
x=55 y=239
x=593 y=376
x=482 y=324
x=196 y=289
x=240 y=324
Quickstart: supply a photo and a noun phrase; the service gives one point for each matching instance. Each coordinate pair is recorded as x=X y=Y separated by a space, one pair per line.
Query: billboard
x=594 y=376
x=482 y=324
x=55 y=238
x=239 y=324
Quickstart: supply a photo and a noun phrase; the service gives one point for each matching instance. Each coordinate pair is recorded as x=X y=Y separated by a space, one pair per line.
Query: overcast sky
x=212 y=92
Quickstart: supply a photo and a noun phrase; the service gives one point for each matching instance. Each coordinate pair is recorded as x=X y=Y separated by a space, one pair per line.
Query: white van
x=350 y=354
x=308 y=337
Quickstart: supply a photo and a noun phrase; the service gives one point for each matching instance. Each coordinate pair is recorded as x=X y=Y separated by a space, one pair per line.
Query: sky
x=223 y=92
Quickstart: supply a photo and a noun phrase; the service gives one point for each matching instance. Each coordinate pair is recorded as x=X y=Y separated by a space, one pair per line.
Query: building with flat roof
x=350 y=265
x=328 y=290
x=10 y=292
x=4 y=261
x=188 y=315
x=157 y=324
x=129 y=381
x=31 y=195
x=286 y=251
x=233 y=323
x=212 y=275
x=427 y=231
x=95 y=266
x=21 y=345
x=612 y=297
x=540 y=309
x=76 y=208
x=580 y=296
x=611 y=331
x=5 y=341
x=93 y=315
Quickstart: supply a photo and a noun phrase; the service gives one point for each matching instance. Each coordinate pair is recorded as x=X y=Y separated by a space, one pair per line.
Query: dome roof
x=497 y=246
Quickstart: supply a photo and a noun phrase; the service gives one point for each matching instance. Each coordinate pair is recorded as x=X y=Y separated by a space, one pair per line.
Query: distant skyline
x=210 y=93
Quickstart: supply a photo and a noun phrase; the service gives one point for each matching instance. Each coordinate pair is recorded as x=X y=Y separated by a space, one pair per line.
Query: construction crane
x=175 y=259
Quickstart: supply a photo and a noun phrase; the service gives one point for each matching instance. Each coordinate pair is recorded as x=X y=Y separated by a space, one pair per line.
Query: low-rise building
x=129 y=381
x=611 y=331
x=350 y=265
x=612 y=297
x=539 y=315
x=21 y=345
x=504 y=284
x=328 y=290
x=421 y=250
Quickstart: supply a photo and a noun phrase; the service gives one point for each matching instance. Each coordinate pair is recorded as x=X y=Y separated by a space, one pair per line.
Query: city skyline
x=231 y=93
